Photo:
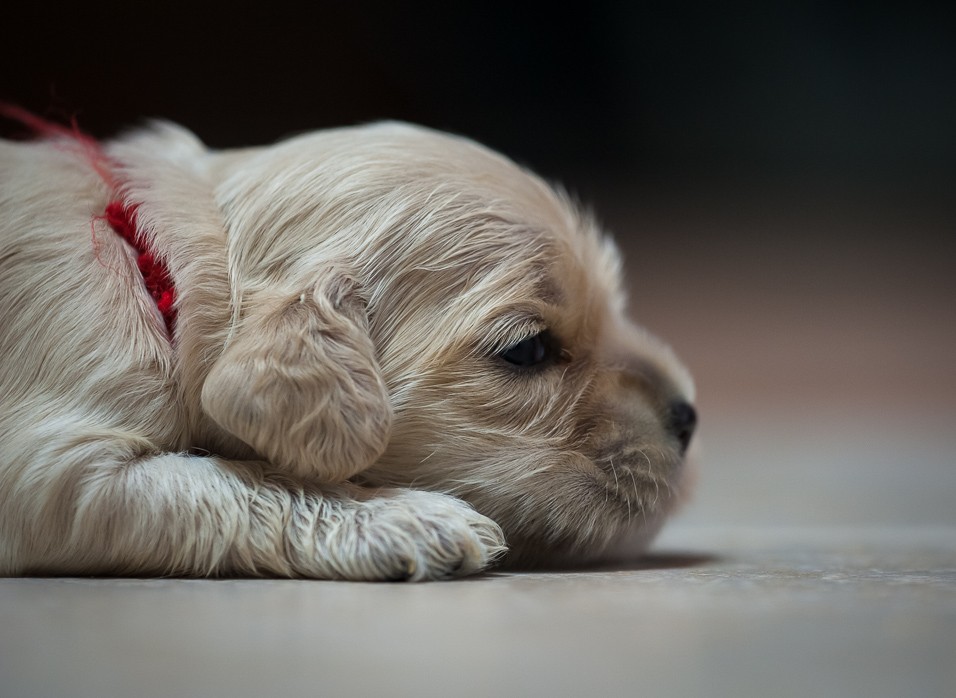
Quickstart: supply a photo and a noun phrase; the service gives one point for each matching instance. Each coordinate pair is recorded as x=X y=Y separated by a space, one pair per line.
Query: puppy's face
x=516 y=380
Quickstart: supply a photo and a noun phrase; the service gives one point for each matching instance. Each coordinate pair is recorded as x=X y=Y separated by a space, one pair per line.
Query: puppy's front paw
x=413 y=535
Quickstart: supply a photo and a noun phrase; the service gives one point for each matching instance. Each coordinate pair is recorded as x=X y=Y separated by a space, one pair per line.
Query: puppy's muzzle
x=681 y=422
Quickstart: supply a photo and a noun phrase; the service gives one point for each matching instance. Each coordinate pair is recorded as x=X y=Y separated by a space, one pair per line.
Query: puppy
x=368 y=353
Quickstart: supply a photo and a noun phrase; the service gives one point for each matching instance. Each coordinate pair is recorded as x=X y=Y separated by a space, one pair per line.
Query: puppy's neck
x=122 y=219
x=165 y=172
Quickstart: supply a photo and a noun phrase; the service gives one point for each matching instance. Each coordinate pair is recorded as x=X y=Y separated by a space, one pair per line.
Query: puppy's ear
x=299 y=382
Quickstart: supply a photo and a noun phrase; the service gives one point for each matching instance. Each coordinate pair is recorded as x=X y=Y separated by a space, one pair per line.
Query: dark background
x=664 y=91
x=779 y=174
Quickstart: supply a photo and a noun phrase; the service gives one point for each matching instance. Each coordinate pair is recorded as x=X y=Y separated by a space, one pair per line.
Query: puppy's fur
x=334 y=402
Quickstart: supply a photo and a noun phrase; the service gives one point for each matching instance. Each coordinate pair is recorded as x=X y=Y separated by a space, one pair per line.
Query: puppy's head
x=516 y=380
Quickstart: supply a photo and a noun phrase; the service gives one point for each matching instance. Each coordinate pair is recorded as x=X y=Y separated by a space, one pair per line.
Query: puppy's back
x=72 y=323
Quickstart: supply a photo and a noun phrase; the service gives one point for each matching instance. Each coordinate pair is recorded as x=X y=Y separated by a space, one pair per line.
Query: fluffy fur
x=334 y=403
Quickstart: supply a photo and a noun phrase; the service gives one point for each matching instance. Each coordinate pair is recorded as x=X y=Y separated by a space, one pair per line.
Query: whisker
x=630 y=472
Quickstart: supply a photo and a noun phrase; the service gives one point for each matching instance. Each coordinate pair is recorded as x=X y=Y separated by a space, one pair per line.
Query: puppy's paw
x=413 y=535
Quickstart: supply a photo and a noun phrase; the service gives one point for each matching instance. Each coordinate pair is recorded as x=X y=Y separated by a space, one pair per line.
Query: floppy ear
x=299 y=382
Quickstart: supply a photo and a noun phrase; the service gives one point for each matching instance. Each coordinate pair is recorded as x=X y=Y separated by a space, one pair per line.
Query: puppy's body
x=375 y=326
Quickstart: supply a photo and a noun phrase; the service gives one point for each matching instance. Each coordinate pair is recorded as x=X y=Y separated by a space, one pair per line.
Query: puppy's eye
x=532 y=351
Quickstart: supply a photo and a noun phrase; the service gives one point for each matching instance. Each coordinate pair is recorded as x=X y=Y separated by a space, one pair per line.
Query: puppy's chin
x=604 y=519
x=635 y=540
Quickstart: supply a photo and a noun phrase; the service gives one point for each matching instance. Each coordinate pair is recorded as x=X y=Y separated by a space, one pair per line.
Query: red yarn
x=122 y=219
x=86 y=144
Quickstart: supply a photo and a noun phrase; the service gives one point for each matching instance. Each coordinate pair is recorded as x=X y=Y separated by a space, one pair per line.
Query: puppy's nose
x=682 y=420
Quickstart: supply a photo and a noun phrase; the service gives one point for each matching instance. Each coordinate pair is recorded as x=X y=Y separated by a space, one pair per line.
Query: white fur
x=332 y=404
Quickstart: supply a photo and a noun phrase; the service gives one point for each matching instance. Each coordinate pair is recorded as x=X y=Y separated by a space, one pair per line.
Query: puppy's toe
x=406 y=535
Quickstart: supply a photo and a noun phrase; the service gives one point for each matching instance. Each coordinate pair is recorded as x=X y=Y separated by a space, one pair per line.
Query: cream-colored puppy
x=392 y=354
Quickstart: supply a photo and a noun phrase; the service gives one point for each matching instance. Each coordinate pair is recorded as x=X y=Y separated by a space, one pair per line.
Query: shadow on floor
x=660 y=560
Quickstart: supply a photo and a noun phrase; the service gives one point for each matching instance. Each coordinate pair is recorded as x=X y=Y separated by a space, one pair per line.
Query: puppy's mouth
x=640 y=477
x=639 y=453
x=623 y=494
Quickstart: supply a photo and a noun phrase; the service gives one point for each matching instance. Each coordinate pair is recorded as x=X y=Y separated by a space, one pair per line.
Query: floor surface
x=736 y=612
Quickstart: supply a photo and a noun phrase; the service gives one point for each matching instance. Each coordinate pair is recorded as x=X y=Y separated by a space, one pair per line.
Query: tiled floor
x=818 y=558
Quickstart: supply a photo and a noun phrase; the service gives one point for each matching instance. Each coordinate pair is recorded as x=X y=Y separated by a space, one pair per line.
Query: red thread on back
x=86 y=144
x=122 y=218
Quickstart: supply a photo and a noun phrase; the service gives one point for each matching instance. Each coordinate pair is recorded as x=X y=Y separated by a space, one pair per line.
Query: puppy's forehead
x=393 y=155
x=513 y=218
x=500 y=187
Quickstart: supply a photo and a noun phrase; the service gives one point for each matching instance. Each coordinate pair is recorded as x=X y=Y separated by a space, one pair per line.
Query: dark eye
x=532 y=351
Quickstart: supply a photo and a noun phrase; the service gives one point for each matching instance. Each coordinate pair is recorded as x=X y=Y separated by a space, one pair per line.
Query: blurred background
x=780 y=177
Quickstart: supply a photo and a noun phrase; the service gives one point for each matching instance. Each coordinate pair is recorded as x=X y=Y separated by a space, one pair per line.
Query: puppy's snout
x=682 y=420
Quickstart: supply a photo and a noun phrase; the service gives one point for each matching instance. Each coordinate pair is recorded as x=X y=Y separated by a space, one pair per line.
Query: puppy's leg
x=300 y=383
x=103 y=509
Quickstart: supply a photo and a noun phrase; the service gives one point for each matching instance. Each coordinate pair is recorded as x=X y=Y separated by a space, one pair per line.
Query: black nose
x=683 y=420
